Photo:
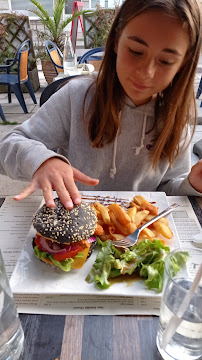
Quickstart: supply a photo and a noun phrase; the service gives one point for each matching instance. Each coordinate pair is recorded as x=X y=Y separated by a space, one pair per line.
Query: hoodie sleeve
x=175 y=181
x=24 y=149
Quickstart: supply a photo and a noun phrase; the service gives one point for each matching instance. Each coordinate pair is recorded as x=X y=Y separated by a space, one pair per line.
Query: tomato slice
x=72 y=249
x=37 y=242
x=67 y=255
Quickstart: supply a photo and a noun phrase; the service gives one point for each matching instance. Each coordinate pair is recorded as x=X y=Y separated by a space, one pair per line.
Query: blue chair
x=199 y=91
x=2 y=114
x=55 y=55
x=14 y=81
x=88 y=56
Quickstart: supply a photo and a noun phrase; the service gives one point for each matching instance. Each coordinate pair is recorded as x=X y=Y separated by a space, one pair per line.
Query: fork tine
x=121 y=243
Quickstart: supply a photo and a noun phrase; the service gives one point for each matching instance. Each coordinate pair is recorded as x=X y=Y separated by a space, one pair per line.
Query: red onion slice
x=47 y=245
x=92 y=239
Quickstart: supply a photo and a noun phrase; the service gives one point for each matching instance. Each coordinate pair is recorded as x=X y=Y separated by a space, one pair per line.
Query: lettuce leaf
x=176 y=261
x=146 y=258
x=103 y=265
x=65 y=265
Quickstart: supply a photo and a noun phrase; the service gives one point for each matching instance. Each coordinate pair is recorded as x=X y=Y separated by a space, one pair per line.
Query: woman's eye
x=134 y=52
x=166 y=63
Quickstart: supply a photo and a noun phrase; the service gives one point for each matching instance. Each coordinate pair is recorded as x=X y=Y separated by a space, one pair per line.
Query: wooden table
x=50 y=337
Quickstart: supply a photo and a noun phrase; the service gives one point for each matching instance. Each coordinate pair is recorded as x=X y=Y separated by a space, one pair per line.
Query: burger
x=64 y=237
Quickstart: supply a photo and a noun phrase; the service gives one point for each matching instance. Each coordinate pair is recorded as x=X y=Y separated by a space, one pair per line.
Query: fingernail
x=77 y=201
x=68 y=204
x=16 y=197
x=50 y=203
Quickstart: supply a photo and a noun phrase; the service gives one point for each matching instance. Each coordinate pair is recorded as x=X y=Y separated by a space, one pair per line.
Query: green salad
x=146 y=259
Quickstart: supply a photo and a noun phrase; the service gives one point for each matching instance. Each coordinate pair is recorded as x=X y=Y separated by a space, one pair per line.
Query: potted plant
x=54 y=30
x=97 y=26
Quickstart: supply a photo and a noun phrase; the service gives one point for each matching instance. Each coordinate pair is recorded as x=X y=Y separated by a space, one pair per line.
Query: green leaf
x=147 y=259
x=65 y=265
x=176 y=261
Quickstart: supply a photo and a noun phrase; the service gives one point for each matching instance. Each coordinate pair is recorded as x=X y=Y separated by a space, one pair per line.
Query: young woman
x=128 y=128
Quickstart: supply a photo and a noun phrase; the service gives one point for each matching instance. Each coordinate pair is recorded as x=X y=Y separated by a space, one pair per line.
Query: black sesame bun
x=65 y=226
x=64 y=237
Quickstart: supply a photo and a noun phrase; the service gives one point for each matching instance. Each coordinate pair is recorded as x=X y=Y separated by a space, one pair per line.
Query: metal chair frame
x=88 y=56
x=2 y=114
x=15 y=81
x=199 y=91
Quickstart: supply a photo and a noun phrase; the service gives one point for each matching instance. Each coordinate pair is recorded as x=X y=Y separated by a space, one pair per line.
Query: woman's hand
x=58 y=175
x=195 y=176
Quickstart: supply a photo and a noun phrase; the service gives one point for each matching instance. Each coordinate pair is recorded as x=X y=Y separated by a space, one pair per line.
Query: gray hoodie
x=122 y=165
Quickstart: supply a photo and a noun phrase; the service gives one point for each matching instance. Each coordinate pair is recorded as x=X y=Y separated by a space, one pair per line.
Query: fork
x=131 y=239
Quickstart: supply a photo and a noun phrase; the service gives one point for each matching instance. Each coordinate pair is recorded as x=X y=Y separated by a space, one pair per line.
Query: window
x=69 y=6
x=26 y=4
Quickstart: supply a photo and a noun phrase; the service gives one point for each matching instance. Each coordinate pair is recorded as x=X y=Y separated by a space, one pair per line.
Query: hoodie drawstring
x=137 y=149
x=112 y=171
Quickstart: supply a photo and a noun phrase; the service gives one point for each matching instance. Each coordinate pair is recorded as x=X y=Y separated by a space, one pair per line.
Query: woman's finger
x=30 y=189
x=48 y=194
x=73 y=190
x=81 y=177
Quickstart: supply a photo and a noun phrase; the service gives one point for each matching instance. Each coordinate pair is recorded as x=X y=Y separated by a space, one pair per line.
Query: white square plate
x=32 y=276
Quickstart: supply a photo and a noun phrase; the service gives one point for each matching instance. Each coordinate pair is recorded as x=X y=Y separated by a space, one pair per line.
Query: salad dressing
x=128 y=279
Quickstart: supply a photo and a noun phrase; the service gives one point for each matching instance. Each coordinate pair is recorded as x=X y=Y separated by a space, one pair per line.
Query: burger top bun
x=64 y=225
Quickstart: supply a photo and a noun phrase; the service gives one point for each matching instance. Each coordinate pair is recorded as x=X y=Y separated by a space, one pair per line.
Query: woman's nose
x=147 y=69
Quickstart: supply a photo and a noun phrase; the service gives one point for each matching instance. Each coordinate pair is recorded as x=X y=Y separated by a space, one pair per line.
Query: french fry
x=145 y=205
x=140 y=216
x=149 y=217
x=132 y=204
x=101 y=222
x=106 y=237
x=115 y=223
x=104 y=212
x=112 y=229
x=131 y=212
x=146 y=232
x=99 y=230
x=137 y=199
x=164 y=220
x=99 y=215
x=163 y=229
x=118 y=237
x=121 y=229
x=131 y=227
x=120 y=214
x=152 y=209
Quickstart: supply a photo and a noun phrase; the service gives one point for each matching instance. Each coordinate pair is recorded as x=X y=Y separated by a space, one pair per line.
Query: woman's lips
x=139 y=86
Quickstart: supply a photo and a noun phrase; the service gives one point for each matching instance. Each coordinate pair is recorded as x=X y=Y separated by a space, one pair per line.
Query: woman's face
x=150 y=51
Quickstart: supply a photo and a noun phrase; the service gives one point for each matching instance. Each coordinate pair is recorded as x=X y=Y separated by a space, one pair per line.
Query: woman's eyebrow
x=141 y=41
x=137 y=39
x=172 y=51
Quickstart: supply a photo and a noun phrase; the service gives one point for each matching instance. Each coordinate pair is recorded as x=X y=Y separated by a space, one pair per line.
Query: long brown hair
x=174 y=106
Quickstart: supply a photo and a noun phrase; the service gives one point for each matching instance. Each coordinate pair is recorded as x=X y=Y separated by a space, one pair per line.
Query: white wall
x=5 y=5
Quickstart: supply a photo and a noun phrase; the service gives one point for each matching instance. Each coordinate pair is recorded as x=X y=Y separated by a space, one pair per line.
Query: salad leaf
x=177 y=260
x=146 y=258
x=102 y=266
x=65 y=265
